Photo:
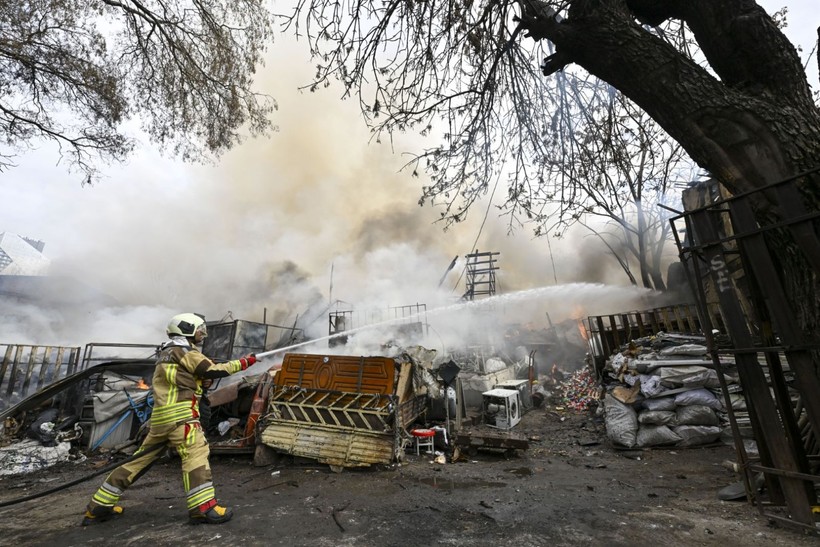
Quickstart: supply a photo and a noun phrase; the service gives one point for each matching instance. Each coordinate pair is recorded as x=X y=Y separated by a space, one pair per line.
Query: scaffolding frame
x=481 y=268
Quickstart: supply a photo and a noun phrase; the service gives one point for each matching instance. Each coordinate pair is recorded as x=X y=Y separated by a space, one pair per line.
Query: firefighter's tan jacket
x=177 y=382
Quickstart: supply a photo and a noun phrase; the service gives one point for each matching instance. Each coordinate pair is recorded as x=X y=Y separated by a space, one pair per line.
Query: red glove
x=247 y=361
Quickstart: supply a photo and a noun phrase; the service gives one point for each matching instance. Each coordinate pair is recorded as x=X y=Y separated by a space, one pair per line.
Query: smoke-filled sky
x=261 y=229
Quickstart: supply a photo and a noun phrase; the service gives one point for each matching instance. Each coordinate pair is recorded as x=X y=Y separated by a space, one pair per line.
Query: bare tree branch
x=73 y=72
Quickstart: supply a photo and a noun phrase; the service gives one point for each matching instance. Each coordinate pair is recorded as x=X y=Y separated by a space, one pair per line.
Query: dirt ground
x=569 y=488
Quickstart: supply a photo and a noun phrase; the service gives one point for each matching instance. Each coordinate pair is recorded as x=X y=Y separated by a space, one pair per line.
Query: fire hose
x=280 y=350
x=69 y=484
x=329 y=337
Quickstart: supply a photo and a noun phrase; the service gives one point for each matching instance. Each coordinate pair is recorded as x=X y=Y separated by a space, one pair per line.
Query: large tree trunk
x=752 y=128
x=657 y=276
x=755 y=125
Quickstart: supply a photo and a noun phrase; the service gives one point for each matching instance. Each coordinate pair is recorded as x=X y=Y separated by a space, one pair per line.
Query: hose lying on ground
x=69 y=484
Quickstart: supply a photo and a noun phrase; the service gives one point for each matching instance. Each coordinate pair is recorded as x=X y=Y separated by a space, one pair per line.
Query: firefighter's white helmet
x=186 y=324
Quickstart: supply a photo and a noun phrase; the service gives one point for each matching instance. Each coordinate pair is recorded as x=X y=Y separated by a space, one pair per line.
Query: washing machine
x=501 y=408
x=523 y=388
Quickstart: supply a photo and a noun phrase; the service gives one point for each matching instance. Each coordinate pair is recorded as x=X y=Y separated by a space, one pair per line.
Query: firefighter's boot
x=210 y=513
x=101 y=513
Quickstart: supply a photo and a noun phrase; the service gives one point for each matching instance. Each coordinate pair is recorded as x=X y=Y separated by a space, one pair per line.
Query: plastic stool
x=424 y=438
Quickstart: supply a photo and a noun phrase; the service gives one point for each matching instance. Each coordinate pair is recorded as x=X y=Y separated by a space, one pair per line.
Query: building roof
x=21 y=255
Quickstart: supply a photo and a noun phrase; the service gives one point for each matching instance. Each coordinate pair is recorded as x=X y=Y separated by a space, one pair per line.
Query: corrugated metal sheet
x=329 y=445
x=117 y=436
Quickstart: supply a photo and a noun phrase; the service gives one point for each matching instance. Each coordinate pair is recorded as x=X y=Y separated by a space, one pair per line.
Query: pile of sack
x=663 y=390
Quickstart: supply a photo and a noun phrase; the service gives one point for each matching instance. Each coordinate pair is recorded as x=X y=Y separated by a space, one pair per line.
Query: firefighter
x=178 y=381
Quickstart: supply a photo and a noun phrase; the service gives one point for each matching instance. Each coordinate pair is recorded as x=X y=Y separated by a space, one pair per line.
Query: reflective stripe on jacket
x=177 y=382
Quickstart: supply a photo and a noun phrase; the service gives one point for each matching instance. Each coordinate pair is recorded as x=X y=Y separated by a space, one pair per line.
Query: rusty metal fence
x=26 y=369
x=412 y=315
x=735 y=260
x=606 y=334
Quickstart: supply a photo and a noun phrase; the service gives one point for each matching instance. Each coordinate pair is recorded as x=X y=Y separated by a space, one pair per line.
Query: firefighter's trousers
x=189 y=441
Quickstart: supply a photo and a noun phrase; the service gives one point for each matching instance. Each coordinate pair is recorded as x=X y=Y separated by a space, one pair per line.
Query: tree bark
x=752 y=125
x=752 y=128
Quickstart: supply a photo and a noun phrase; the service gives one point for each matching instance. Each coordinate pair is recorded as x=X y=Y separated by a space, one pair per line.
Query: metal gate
x=27 y=368
x=606 y=334
x=730 y=260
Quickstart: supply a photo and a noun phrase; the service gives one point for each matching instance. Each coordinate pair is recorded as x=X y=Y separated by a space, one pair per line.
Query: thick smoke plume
x=313 y=215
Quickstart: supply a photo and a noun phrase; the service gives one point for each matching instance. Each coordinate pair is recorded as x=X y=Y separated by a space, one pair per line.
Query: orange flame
x=583 y=330
x=142 y=385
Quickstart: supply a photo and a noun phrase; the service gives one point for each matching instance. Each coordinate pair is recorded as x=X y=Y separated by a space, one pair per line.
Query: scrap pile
x=663 y=390
x=580 y=391
x=46 y=441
